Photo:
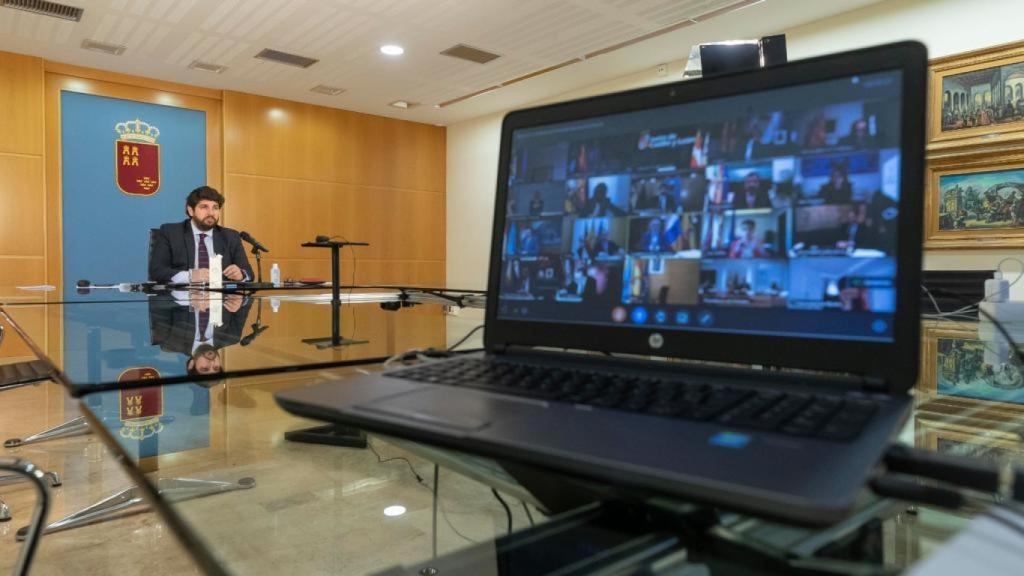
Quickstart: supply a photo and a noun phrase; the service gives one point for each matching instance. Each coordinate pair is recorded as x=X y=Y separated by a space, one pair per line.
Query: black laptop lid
x=770 y=217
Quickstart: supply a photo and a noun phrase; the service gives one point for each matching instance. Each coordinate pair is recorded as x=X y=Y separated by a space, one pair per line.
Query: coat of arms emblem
x=137 y=158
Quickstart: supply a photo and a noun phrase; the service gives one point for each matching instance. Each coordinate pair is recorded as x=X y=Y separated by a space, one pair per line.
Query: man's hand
x=199 y=300
x=232 y=302
x=200 y=275
x=233 y=272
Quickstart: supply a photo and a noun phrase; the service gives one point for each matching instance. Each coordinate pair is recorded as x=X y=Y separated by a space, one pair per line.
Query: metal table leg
x=33 y=530
x=72 y=427
x=51 y=478
x=130 y=500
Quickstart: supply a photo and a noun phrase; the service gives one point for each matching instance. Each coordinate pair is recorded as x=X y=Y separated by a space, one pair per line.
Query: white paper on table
x=39 y=288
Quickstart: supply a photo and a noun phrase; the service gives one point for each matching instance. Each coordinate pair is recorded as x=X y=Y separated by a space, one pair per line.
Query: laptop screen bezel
x=896 y=363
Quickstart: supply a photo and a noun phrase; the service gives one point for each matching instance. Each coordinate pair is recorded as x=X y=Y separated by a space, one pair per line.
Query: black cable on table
x=527 y=510
x=464 y=338
x=508 y=511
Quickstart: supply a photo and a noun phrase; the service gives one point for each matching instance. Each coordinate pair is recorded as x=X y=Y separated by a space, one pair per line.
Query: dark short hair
x=203 y=193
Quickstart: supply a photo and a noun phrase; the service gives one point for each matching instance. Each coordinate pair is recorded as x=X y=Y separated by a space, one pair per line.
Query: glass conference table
x=212 y=456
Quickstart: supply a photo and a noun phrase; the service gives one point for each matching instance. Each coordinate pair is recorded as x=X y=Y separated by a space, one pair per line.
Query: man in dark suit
x=181 y=251
x=180 y=323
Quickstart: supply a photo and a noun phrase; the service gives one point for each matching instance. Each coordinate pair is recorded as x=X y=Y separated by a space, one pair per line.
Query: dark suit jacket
x=172 y=326
x=174 y=250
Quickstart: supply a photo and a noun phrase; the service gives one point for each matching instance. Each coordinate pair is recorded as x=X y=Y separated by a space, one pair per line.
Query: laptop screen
x=772 y=212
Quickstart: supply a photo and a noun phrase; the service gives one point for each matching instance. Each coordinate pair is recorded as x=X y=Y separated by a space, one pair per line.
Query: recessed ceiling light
x=403 y=104
x=392 y=50
x=394 y=510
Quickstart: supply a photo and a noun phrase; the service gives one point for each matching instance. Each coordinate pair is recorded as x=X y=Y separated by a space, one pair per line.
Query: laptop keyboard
x=829 y=417
x=24 y=373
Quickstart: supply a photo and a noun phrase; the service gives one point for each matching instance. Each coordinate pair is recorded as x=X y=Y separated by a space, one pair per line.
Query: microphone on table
x=254 y=242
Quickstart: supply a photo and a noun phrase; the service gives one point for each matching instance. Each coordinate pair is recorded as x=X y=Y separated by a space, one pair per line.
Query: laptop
x=758 y=234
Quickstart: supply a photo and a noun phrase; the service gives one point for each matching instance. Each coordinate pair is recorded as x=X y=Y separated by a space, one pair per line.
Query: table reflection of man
x=180 y=323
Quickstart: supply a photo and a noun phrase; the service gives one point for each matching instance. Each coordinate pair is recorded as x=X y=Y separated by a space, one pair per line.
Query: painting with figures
x=981 y=200
x=978 y=369
x=984 y=97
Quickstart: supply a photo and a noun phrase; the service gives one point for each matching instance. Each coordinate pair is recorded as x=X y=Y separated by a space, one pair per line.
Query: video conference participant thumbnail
x=852 y=210
x=593 y=283
x=665 y=234
x=746 y=186
x=597 y=197
x=754 y=283
x=848 y=284
x=599 y=238
x=539 y=159
x=536 y=199
x=667 y=193
x=745 y=234
x=850 y=125
x=602 y=154
x=530 y=238
x=662 y=281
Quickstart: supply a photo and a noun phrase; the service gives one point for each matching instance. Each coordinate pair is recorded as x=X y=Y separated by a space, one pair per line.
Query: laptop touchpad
x=466 y=410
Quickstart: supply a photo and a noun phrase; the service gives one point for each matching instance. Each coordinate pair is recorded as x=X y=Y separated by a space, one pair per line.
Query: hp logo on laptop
x=655 y=340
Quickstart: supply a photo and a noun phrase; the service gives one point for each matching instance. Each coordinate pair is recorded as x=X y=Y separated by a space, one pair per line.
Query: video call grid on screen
x=773 y=212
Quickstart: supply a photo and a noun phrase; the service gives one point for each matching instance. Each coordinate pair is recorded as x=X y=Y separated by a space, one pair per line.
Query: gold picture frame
x=975 y=201
x=971 y=412
x=962 y=113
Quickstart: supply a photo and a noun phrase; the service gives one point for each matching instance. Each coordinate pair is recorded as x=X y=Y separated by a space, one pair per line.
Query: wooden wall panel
x=270 y=137
x=21 y=100
x=295 y=170
x=21 y=218
x=22 y=190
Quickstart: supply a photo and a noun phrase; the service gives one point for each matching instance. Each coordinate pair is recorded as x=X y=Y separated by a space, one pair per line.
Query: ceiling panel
x=163 y=36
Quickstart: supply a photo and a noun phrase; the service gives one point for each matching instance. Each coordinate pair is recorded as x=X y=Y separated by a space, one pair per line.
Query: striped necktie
x=204 y=255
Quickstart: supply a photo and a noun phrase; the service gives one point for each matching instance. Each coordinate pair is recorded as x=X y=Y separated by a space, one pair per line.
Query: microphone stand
x=259 y=265
x=257 y=327
x=332 y=434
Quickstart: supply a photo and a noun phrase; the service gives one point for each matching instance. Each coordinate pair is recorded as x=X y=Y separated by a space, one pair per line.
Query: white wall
x=945 y=26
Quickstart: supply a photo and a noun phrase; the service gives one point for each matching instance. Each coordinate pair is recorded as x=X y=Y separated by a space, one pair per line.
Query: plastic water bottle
x=275 y=275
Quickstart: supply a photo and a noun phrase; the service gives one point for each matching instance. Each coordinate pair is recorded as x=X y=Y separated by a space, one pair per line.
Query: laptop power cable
x=906 y=467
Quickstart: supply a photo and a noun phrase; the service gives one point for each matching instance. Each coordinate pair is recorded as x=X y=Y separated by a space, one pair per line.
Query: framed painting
x=977 y=98
x=969 y=377
x=975 y=202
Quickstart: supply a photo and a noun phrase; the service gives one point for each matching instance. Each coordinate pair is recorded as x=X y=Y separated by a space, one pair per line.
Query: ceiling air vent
x=324 y=89
x=464 y=52
x=112 y=49
x=207 y=67
x=286 y=58
x=62 y=11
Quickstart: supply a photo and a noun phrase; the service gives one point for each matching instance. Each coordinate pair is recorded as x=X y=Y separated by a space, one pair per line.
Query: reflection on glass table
x=184 y=337
x=314 y=509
